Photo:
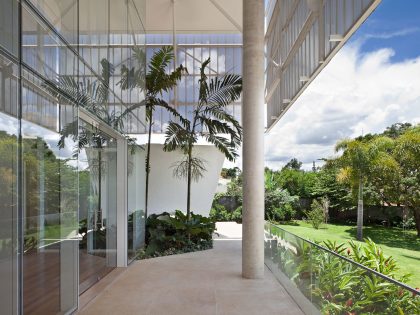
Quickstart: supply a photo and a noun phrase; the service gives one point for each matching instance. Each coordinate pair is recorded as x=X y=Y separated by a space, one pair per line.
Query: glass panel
x=9 y=29
x=43 y=51
x=62 y=14
x=50 y=201
x=136 y=200
x=323 y=281
x=8 y=185
x=98 y=204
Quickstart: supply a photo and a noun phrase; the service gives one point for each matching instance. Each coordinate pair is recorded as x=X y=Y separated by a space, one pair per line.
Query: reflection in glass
x=135 y=201
x=8 y=185
x=98 y=207
x=49 y=202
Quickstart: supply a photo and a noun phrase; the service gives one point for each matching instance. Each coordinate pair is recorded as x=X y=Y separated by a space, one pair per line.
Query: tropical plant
x=335 y=284
x=158 y=81
x=344 y=288
x=169 y=234
x=211 y=121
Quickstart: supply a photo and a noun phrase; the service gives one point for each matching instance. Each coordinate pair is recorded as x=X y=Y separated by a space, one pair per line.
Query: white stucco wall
x=167 y=193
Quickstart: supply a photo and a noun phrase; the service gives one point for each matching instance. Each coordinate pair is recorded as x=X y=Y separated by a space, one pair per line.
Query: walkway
x=207 y=282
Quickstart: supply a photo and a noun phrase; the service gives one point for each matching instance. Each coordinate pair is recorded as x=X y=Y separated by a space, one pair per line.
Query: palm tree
x=356 y=163
x=211 y=121
x=158 y=80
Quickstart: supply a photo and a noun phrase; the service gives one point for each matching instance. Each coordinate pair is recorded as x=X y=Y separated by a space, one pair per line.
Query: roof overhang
x=194 y=16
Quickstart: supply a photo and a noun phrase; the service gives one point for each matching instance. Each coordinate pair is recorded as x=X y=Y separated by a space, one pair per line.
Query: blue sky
x=394 y=24
x=372 y=82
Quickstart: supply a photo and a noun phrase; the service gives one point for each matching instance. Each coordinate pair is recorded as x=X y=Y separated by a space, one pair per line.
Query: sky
x=373 y=82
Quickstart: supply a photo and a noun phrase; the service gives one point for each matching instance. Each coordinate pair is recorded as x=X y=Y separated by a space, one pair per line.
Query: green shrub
x=171 y=234
x=279 y=205
x=284 y=213
x=237 y=215
x=316 y=215
x=219 y=213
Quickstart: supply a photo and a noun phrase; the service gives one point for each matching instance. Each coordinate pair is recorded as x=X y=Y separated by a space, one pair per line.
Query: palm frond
x=221 y=114
x=176 y=137
x=69 y=130
x=203 y=90
x=223 y=145
x=225 y=90
x=107 y=71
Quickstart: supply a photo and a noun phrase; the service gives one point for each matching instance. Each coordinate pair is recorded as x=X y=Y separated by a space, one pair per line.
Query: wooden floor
x=41 y=279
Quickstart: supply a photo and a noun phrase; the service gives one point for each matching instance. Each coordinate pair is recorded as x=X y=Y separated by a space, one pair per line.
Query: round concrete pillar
x=253 y=140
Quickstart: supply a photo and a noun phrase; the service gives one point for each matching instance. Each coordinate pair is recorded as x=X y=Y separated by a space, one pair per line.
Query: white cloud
x=355 y=93
x=393 y=34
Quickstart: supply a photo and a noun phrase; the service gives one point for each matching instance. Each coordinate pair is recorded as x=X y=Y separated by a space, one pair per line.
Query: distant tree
x=407 y=153
x=232 y=172
x=293 y=164
x=396 y=130
x=327 y=185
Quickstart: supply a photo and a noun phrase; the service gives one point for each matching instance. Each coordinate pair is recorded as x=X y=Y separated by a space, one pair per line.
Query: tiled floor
x=207 y=282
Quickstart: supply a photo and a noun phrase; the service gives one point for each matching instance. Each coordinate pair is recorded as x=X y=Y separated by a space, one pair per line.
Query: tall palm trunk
x=360 y=210
x=189 y=181
x=189 y=175
x=149 y=137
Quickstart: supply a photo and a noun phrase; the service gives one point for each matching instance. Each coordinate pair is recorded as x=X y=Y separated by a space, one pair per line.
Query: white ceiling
x=193 y=16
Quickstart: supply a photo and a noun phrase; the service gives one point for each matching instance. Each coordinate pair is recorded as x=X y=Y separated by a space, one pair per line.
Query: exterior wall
x=168 y=193
x=59 y=203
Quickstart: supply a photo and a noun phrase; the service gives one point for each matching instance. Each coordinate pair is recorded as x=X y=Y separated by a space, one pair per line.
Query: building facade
x=65 y=221
x=71 y=183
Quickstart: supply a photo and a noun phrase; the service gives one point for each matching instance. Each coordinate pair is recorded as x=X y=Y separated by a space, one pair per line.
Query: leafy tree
x=327 y=185
x=396 y=130
x=210 y=120
x=407 y=153
x=293 y=164
x=356 y=164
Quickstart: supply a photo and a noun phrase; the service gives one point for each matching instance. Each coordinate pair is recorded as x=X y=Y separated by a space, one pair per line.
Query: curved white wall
x=167 y=193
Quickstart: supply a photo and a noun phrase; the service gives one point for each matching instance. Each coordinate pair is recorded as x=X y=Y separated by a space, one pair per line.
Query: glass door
x=97 y=204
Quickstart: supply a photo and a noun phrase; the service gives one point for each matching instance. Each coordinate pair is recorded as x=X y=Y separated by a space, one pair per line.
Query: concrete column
x=253 y=140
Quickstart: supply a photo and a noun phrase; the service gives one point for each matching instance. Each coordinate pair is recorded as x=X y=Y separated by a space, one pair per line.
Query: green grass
x=403 y=246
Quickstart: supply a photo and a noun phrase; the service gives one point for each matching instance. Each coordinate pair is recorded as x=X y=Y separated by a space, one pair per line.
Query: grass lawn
x=403 y=246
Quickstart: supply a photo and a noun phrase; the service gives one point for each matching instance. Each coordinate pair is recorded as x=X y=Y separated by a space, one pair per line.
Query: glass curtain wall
x=98 y=207
x=58 y=193
x=225 y=53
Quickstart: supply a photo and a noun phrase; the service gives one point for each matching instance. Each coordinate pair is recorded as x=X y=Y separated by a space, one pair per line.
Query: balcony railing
x=324 y=282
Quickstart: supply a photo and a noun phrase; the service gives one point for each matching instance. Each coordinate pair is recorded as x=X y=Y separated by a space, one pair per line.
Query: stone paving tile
x=207 y=282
